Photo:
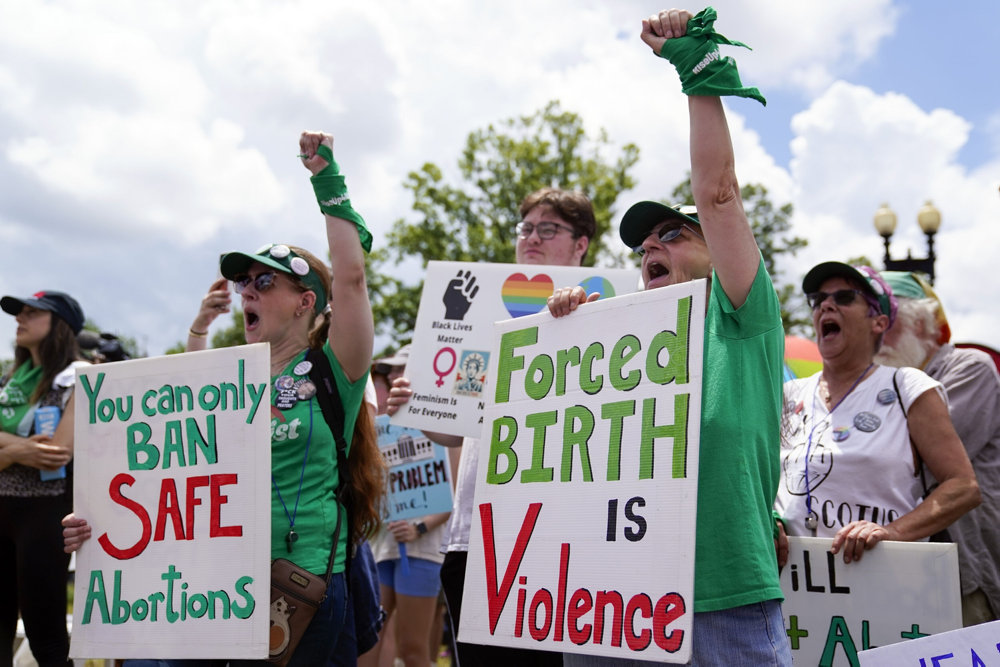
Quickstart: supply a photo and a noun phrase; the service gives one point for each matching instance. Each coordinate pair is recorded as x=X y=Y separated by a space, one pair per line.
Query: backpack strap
x=333 y=412
x=920 y=461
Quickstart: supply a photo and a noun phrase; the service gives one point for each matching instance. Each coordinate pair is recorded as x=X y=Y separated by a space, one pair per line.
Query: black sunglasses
x=262 y=282
x=842 y=297
x=666 y=234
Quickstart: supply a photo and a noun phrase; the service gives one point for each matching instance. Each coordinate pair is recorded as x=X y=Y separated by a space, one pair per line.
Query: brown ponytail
x=364 y=495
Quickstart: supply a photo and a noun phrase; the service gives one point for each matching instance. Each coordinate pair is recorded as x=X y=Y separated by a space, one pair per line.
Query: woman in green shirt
x=291 y=301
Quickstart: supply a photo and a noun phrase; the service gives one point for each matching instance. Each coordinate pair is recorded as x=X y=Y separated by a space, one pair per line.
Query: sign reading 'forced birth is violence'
x=584 y=522
x=173 y=474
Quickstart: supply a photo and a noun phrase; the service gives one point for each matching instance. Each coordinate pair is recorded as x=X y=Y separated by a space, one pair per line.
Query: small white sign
x=897 y=591
x=453 y=336
x=975 y=646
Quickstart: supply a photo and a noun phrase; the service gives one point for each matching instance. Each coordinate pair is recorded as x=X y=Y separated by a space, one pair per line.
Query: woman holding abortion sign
x=36 y=447
x=856 y=436
x=286 y=295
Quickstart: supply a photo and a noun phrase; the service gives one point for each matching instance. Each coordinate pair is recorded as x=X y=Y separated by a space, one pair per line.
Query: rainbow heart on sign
x=600 y=285
x=523 y=296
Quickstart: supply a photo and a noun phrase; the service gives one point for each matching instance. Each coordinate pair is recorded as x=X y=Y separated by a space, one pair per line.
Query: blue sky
x=139 y=141
x=934 y=62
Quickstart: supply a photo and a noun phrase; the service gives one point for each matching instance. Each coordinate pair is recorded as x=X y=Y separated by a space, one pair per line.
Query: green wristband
x=702 y=69
x=331 y=194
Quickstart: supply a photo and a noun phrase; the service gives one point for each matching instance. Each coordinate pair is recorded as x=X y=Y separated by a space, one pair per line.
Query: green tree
x=473 y=219
x=227 y=337
x=771 y=227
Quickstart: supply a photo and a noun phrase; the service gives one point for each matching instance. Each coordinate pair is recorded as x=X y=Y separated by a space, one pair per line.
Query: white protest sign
x=975 y=646
x=583 y=530
x=419 y=472
x=453 y=335
x=897 y=591
x=172 y=464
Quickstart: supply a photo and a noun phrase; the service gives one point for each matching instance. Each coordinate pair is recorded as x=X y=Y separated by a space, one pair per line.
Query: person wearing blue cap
x=309 y=316
x=921 y=338
x=857 y=435
x=737 y=607
x=36 y=446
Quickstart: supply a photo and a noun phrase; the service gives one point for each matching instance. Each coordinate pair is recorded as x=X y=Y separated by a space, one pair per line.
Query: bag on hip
x=295 y=596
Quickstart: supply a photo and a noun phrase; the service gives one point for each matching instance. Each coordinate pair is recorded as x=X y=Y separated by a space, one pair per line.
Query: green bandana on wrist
x=702 y=68
x=331 y=193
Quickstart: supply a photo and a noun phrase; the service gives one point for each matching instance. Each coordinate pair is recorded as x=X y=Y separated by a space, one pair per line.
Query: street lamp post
x=929 y=219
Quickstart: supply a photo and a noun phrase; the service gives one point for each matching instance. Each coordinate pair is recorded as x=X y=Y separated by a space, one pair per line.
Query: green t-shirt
x=738 y=469
x=294 y=429
x=15 y=397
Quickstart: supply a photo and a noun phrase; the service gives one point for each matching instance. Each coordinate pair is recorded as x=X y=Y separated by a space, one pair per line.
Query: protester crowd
x=915 y=446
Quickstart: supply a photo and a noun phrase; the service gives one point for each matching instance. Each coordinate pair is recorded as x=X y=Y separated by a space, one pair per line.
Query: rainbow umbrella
x=801 y=357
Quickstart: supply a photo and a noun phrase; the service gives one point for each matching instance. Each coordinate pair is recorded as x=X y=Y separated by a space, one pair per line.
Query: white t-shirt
x=456 y=537
x=858 y=460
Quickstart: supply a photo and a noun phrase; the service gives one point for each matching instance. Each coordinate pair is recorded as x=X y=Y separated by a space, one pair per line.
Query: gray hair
x=917 y=337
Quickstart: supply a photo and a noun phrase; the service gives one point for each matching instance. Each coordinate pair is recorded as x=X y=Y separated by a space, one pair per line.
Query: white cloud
x=169 y=128
x=855 y=149
x=802 y=46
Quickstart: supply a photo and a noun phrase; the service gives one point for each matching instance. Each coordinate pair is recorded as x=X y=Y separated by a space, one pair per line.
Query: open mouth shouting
x=828 y=329
x=251 y=320
x=657 y=274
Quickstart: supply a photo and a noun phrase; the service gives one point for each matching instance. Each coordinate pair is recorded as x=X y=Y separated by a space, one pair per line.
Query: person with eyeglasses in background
x=556 y=229
x=286 y=294
x=856 y=436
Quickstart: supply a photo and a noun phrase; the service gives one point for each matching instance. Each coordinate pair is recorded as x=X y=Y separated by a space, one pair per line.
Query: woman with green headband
x=286 y=296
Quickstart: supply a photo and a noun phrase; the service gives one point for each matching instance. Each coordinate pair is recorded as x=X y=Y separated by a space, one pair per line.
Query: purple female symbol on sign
x=443 y=373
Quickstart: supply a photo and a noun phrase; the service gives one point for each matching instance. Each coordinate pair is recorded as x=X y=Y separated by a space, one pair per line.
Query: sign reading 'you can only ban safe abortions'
x=173 y=467
x=898 y=591
x=450 y=356
x=419 y=472
x=583 y=530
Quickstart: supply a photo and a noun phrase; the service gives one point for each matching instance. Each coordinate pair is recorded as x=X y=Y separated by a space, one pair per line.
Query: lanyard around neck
x=812 y=518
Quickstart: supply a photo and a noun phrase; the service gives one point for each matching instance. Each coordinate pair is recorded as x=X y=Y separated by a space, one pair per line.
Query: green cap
x=866 y=276
x=640 y=219
x=280 y=258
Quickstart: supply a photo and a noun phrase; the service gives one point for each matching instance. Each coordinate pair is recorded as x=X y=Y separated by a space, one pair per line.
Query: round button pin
x=867 y=421
x=286 y=399
x=305 y=389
